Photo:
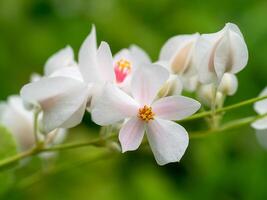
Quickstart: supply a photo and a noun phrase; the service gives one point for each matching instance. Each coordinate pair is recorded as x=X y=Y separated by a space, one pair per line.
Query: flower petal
x=260 y=124
x=60 y=98
x=70 y=72
x=105 y=62
x=114 y=105
x=87 y=58
x=204 y=53
x=261 y=106
x=63 y=58
x=139 y=54
x=168 y=140
x=175 y=107
x=175 y=44
x=131 y=134
x=147 y=81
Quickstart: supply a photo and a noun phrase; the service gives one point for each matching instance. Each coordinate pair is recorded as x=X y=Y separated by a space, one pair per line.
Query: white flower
x=178 y=54
x=167 y=139
x=261 y=108
x=19 y=121
x=217 y=53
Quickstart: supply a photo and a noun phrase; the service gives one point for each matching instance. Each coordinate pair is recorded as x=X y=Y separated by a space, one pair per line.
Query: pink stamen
x=122 y=69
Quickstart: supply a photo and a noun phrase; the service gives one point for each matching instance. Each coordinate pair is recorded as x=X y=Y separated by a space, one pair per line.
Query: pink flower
x=144 y=113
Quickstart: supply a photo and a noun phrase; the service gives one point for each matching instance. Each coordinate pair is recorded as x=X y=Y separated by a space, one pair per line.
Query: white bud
x=173 y=86
x=228 y=84
x=205 y=94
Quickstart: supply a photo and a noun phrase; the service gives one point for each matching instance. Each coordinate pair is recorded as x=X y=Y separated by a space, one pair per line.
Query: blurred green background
x=222 y=166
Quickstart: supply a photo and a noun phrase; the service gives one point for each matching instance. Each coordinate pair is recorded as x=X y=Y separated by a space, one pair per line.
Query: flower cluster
x=129 y=90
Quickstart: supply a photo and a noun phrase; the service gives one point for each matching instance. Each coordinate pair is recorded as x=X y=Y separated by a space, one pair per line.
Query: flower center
x=146 y=113
x=122 y=69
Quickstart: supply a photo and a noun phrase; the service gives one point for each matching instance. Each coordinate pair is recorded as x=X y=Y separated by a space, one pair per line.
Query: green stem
x=98 y=142
x=229 y=126
x=224 y=109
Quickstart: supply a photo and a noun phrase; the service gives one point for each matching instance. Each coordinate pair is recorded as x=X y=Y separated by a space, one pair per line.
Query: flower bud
x=173 y=86
x=228 y=84
x=205 y=94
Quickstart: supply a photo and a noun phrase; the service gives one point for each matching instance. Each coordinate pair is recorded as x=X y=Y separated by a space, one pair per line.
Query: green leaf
x=7 y=148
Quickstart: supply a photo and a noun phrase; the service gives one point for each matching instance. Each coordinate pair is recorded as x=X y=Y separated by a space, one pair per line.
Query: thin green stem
x=98 y=142
x=224 y=109
x=228 y=126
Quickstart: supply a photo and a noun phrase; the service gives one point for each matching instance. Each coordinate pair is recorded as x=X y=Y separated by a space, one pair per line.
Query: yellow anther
x=124 y=64
x=146 y=113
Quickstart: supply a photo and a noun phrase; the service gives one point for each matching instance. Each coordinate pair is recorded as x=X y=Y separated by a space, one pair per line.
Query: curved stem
x=224 y=109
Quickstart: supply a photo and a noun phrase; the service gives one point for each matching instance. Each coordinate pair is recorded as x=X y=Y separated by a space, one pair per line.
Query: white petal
x=228 y=84
x=174 y=44
x=261 y=106
x=69 y=72
x=262 y=137
x=175 y=107
x=168 y=140
x=87 y=58
x=114 y=105
x=131 y=134
x=105 y=62
x=59 y=97
x=147 y=81
x=204 y=54
x=239 y=53
x=260 y=124
x=139 y=54
x=63 y=58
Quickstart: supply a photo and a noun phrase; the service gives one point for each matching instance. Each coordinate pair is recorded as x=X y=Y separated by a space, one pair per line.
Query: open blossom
x=261 y=108
x=125 y=62
x=178 y=56
x=221 y=52
x=143 y=113
x=19 y=122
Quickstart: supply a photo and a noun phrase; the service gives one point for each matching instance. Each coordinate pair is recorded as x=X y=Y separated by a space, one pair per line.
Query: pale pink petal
x=147 y=81
x=114 y=105
x=131 y=134
x=175 y=107
x=105 y=62
x=168 y=140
